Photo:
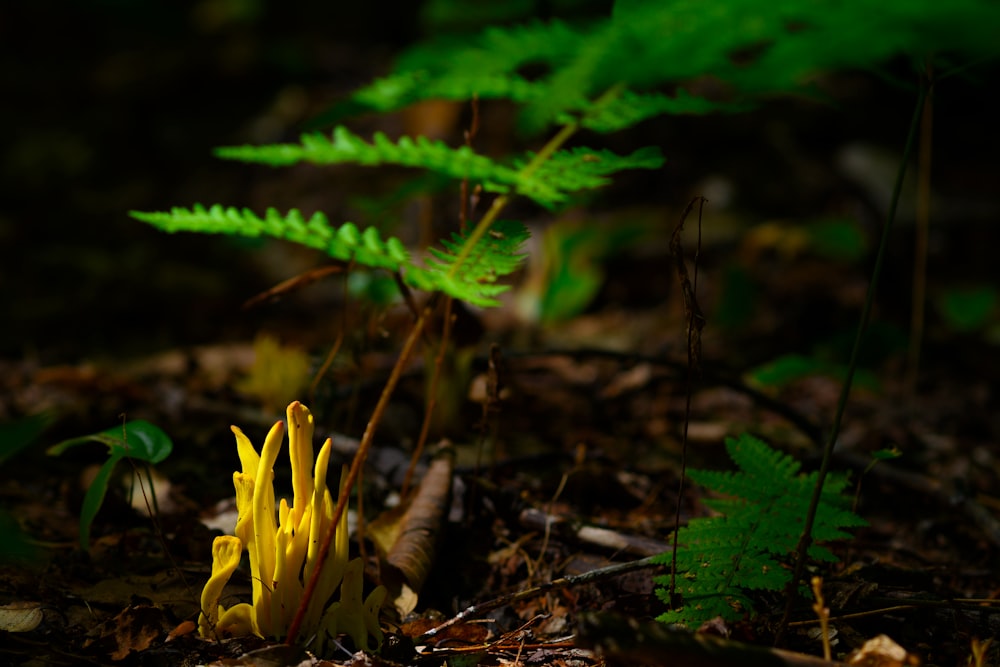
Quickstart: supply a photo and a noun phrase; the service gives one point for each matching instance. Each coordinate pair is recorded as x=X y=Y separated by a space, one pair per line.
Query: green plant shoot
x=136 y=440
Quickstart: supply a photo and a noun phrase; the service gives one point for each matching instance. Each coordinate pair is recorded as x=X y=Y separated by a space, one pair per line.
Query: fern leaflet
x=745 y=548
x=567 y=173
x=475 y=282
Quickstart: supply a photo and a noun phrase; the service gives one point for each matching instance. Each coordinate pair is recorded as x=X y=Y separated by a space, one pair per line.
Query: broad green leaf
x=94 y=498
x=138 y=439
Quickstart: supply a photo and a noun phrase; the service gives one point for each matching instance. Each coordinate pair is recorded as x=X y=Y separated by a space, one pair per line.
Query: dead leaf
x=409 y=536
x=20 y=616
x=134 y=629
x=882 y=651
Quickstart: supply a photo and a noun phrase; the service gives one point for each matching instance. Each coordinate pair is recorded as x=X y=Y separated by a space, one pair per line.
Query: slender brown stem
x=356 y=465
x=553 y=144
x=695 y=321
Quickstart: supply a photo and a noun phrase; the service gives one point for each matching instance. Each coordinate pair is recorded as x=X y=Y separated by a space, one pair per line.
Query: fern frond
x=761 y=519
x=496 y=255
x=647 y=45
x=458 y=163
x=631 y=108
x=586 y=169
x=552 y=184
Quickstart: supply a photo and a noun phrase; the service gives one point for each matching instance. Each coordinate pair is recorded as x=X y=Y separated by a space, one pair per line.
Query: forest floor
x=118 y=322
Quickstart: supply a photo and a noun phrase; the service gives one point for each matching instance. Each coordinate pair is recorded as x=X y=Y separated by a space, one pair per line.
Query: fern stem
x=550 y=147
x=791 y=592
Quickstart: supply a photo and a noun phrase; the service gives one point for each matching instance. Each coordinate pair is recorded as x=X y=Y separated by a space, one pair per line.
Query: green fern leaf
x=484 y=66
x=567 y=172
x=474 y=281
x=459 y=163
x=495 y=254
x=631 y=108
x=748 y=545
x=586 y=169
x=753 y=48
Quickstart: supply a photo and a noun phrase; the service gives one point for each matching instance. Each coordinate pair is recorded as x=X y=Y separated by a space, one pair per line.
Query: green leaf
x=565 y=173
x=747 y=547
x=139 y=440
x=94 y=498
x=751 y=49
x=496 y=254
x=887 y=454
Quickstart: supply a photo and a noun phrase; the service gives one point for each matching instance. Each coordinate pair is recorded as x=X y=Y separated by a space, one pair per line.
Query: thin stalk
x=553 y=144
x=355 y=470
x=695 y=322
x=791 y=592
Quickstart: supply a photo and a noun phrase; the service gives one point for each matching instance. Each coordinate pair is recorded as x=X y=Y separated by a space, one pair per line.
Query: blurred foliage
x=16 y=435
x=377 y=289
x=15 y=544
x=789 y=368
x=836 y=238
x=570 y=266
x=439 y=16
x=840 y=239
x=968 y=309
x=279 y=373
x=755 y=49
x=739 y=298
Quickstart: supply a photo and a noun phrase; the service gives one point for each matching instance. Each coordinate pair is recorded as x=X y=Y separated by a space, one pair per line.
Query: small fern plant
x=748 y=545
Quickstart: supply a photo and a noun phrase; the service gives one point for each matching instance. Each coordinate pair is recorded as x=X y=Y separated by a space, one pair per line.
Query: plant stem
x=356 y=465
x=791 y=592
x=550 y=147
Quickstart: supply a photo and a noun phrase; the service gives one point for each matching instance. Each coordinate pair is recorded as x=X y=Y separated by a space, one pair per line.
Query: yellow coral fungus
x=283 y=553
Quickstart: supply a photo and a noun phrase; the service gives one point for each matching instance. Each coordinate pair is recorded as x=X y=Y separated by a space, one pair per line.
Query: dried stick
x=695 y=322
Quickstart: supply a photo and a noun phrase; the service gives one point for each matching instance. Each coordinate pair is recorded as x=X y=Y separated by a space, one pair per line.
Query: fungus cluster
x=283 y=549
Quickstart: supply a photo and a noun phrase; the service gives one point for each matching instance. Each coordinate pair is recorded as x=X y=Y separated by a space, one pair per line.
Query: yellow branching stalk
x=283 y=552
